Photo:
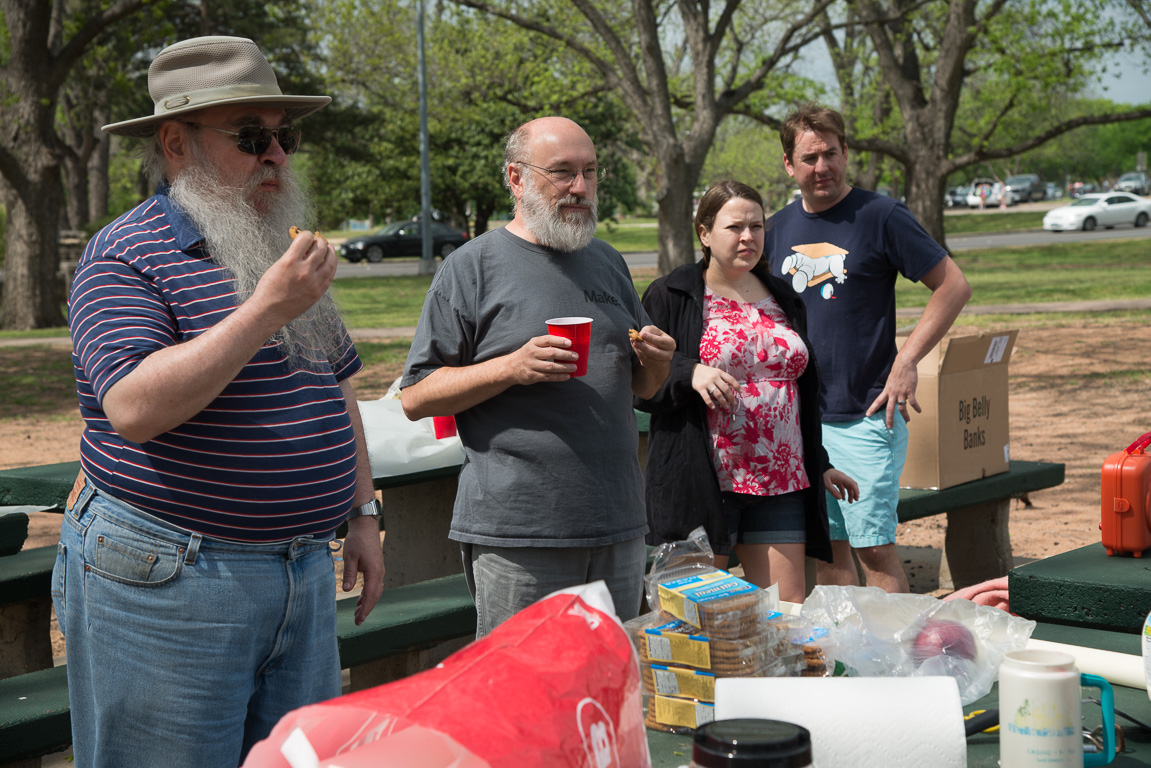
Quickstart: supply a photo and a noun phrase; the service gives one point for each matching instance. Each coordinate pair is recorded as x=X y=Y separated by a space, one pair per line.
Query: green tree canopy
x=483 y=81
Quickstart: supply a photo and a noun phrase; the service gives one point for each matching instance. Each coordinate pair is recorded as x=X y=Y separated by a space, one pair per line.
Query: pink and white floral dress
x=756 y=446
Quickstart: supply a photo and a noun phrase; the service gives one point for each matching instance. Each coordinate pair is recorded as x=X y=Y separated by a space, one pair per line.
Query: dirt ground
x=1078 y=393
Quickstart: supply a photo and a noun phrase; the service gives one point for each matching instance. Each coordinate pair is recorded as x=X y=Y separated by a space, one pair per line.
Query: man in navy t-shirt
x=842 y=248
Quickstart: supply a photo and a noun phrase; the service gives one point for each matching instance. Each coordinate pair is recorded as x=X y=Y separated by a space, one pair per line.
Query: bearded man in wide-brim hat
x=222 y=446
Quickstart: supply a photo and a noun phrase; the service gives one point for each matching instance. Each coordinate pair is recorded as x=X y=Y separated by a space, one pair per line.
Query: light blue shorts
x=873 y=456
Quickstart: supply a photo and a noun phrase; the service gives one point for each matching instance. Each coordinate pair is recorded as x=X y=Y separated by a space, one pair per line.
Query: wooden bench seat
x=26 y=610
x=977 y=545
x=409 y=620
x=34 y=715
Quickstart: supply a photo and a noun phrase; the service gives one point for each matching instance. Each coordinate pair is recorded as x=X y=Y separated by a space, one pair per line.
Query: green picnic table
x=670 y=750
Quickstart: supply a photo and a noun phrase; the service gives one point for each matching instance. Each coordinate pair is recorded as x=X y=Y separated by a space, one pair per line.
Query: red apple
x=940 y=637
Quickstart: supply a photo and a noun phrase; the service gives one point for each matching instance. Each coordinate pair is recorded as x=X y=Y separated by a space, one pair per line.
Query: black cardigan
x=682 y=487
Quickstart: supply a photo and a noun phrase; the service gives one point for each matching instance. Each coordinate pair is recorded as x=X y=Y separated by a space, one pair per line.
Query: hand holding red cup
x=578 y=331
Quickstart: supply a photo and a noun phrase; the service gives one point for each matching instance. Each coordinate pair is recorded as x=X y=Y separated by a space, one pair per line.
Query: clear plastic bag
x=684 y=584
x=675 y=559
x=881 y=635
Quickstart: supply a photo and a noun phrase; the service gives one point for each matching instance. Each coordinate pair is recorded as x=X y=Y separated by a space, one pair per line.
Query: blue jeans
x=186 y=650
x=504 y=580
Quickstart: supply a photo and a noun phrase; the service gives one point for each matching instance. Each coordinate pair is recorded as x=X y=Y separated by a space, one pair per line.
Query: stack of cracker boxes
x=710 y=624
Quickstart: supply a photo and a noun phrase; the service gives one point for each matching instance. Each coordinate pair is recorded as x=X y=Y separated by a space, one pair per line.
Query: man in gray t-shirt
x=550 y=494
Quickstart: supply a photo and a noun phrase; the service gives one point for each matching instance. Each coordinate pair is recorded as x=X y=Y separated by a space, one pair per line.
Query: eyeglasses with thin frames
x=567 y=177
x=255 y=139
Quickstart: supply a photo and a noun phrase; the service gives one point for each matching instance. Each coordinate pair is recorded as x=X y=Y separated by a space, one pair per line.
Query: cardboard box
x=963 y=433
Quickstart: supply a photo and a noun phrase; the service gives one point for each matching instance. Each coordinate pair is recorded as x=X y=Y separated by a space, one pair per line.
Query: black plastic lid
x=745 y=742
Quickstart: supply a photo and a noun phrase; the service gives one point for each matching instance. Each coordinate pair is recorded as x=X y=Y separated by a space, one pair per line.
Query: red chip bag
x=557 y=685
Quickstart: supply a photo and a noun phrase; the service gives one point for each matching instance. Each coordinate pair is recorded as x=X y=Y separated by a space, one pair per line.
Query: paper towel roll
x=1115 y=668
x=862 y=722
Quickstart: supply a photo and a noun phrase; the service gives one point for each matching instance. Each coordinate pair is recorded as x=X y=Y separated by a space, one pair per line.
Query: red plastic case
x=1126 y=500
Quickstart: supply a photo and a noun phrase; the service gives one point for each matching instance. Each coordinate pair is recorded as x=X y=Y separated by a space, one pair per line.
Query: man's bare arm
x=173 y=384
x=447 y=391
x=362 y=550
x=949 y=293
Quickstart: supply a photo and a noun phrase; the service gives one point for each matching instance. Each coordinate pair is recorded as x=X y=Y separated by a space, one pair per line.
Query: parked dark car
x=956 y=196
x=402 y=238
x=1026 y=187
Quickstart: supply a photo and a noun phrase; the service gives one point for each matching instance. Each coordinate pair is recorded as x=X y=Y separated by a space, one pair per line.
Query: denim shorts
x=765 y=519
x=873 y=455
x=183 y=649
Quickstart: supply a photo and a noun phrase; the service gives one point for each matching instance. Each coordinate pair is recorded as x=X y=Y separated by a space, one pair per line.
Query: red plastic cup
x=578 y=330
x=444 y=426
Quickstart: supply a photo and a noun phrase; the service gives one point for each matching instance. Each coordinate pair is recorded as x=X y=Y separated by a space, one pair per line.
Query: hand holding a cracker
x=651 y=345
x=654 y=350
x=299 y=278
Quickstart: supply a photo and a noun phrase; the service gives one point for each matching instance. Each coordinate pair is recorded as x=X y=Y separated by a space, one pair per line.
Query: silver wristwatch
x=371 y=509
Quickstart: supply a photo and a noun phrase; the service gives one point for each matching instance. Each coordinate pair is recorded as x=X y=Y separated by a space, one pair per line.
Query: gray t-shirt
x=551 y=464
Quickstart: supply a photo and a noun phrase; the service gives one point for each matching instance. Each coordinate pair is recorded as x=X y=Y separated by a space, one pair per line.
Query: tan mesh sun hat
x=208 y=72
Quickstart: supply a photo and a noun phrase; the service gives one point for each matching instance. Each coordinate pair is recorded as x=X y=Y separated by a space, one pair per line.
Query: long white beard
x=246 y=243
x=552 y=228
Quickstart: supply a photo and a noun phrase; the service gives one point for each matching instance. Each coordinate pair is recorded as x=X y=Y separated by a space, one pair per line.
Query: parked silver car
x=1026 y=187
x=1136 y=182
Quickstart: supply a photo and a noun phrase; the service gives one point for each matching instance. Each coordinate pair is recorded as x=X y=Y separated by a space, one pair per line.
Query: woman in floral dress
x=735 y=443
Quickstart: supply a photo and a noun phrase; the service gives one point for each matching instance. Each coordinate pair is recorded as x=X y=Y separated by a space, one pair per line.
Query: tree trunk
x=676 y=246
x=98 y=165
x=34 y=197
x=76 y=177
x=32 y=285
x=925 y=189
x=39 y=60
x=482 y=219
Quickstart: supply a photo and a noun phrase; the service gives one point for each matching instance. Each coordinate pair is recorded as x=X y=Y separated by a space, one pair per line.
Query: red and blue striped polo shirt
x=273 y=457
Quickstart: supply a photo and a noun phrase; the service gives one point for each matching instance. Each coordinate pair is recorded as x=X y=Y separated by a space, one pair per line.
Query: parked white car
x=1108 y=209
x=994 y=193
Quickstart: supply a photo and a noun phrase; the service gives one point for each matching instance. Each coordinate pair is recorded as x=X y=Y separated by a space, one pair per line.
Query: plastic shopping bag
x=900 y=635
x=557 y=685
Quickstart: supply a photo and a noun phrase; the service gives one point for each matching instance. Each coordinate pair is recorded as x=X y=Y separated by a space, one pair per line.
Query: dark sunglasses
x=255 y=139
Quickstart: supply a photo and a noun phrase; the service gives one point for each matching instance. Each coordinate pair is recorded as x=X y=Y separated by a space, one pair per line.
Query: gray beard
x=246 y=243
x=552 y=228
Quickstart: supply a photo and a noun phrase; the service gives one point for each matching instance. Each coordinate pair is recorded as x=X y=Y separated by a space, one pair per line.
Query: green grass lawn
x=994 y=221
x=636 y=235
x=1119 y=269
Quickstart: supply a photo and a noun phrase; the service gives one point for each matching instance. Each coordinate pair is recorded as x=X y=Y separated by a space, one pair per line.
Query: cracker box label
x=683 y=713
x=665 y=644
x=682 y=597
x=684 y=683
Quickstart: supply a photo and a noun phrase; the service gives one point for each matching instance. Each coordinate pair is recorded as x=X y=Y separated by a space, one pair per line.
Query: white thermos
x=1146 y=638
x=1041 y=712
